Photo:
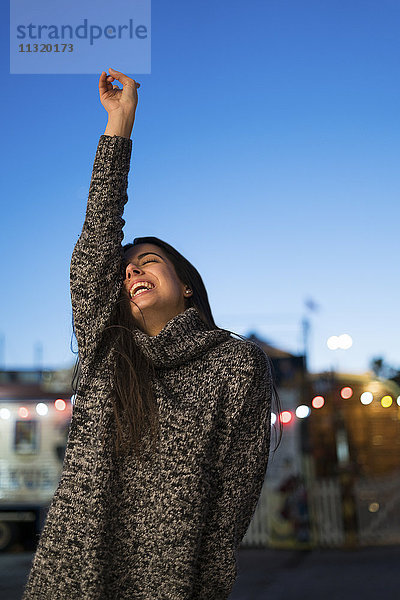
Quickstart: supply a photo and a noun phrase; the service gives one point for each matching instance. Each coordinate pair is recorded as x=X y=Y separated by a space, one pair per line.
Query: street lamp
x=340 y=342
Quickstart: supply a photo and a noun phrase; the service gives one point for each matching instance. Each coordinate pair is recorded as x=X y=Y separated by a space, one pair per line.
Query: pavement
x=370 y=573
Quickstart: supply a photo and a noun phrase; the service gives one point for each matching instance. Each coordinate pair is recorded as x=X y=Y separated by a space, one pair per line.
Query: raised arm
x=97 y=265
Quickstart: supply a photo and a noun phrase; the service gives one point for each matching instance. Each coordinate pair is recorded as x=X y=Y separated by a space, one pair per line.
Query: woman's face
x=164 y=296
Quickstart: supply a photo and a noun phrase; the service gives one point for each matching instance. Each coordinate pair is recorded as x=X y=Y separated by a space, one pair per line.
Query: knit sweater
x=167 y=528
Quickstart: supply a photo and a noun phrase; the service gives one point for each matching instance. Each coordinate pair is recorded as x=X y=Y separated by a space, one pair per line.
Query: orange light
x=60 y=404
x=286 y=417
x=346 y=392
x=23 y=412
x=318 y=402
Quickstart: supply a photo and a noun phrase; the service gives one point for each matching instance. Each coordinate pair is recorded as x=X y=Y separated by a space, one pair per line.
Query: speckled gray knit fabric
x=167 y=529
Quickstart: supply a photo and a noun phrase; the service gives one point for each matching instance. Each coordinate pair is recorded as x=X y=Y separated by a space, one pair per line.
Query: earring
x=188 y=291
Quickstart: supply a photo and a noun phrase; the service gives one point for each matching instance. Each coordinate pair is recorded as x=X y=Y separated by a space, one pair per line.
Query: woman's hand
x=120 y=104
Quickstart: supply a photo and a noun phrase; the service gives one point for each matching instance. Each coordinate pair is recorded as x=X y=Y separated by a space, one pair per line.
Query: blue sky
x=265 y=149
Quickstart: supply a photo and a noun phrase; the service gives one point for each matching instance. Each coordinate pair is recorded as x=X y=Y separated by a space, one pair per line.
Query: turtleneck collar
x=182 y=339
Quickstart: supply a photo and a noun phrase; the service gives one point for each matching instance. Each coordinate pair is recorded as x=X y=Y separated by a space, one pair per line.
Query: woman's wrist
x=120 y=127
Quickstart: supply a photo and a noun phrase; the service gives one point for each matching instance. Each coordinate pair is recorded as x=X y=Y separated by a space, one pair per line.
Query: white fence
x=378 y=509
x=258 y=533
x=377 y=502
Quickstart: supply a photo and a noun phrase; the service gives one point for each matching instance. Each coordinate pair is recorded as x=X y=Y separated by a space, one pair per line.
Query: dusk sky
x=265 y=149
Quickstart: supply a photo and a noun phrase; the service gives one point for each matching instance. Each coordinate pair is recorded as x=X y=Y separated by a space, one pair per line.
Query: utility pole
x=38 y=356
x=2 y=351
x=306 y=330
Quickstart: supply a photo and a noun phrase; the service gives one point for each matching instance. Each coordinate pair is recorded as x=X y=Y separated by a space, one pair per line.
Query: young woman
x=170 y=433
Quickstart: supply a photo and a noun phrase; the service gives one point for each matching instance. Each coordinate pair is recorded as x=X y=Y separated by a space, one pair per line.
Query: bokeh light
x=303 y=411
x=386 y=401
x=345 y=341
x=42 y=409
x=318 y=402
x=5 y=413
x=366 y=397
x=286 y=417
x=333 y=342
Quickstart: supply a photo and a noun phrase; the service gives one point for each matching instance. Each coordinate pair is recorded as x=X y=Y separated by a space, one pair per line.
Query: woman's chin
x=141 y=303
x=142 y=298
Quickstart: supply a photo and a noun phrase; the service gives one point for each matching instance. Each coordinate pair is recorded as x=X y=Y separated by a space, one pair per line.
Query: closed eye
x=150 y=260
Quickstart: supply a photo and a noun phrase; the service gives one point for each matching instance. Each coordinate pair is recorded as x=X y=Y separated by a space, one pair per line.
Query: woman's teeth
x=141 y=291
x=139 y=287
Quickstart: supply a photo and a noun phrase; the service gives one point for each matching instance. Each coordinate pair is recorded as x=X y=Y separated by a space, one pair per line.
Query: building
x=357 y=426
x=35 y=414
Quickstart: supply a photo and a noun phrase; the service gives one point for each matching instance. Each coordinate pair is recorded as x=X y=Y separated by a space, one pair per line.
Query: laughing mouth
x=139 y=287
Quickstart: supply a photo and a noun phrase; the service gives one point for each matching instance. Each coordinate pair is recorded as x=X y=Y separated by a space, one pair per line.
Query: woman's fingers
x=103 y=82
x=124 y=79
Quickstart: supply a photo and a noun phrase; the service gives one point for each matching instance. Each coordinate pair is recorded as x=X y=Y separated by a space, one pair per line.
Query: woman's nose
x=132 y=270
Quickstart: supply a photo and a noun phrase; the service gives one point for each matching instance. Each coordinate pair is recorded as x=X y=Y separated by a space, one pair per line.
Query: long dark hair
x=134 y=405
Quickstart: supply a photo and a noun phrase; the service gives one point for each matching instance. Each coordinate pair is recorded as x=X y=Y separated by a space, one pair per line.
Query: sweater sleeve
x=238 y=476
x=97 y=266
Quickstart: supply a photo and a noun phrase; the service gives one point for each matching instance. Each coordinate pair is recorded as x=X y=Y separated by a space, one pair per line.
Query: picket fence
x=377 y=503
